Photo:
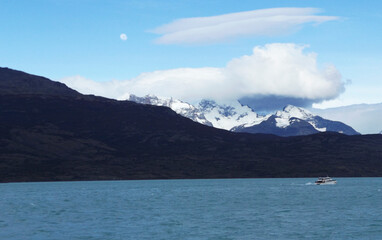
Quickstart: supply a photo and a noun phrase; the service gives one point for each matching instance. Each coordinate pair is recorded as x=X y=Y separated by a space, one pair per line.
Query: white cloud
x=274 y=69
x=263 y=22
x=123 y=37
x=109 y=89
x=284 y=70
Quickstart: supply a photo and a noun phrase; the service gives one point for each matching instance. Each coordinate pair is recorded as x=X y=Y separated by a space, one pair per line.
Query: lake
x=292 y=208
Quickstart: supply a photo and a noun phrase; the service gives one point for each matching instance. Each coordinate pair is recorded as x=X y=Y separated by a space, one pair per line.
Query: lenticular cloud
x=277 y=70
x=263 y=22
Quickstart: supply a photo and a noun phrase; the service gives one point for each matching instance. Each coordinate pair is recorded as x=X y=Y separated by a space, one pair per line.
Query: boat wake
x=302 y=184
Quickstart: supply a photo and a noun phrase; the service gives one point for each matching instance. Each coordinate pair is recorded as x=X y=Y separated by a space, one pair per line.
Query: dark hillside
x=49 y=132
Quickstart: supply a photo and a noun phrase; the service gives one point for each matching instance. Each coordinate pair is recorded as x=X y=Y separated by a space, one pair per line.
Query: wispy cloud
x=284 y=70
x=263 y=22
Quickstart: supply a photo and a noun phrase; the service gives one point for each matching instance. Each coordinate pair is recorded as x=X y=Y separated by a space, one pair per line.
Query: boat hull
x=326 y=183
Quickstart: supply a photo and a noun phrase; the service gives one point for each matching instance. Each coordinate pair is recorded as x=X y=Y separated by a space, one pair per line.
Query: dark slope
x=334 y=126
x=69 y=136
x=17 y=82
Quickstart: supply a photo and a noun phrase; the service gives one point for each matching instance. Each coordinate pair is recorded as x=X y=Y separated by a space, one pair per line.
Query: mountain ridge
x=45 y=137
x=240 y=118
x=18 y=82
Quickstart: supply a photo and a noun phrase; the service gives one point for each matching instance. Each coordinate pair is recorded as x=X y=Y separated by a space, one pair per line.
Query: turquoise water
x=192 y=209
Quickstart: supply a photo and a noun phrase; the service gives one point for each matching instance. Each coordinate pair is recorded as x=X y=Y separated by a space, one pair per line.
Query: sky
x=325 y=53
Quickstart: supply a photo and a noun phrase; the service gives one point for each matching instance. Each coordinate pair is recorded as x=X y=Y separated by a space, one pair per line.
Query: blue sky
x=61 y=39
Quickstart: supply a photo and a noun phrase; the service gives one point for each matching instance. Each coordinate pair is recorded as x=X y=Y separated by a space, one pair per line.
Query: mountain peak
x=185 y=109
x=289 y=107
x=290 y=111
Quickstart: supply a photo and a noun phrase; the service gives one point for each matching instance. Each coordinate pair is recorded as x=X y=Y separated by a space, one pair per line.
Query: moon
x=123 y=37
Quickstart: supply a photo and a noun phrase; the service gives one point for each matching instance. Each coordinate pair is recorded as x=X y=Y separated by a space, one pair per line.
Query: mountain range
x=291 y=121
x=49 y=132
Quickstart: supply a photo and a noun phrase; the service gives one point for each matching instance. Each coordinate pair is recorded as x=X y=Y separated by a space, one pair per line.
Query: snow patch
x=226 y=116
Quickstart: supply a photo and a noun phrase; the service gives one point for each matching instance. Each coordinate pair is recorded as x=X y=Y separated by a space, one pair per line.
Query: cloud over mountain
x=263 y=22
x=282 y=70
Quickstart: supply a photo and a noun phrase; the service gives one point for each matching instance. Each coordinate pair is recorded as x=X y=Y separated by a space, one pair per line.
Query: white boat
x=325 y=181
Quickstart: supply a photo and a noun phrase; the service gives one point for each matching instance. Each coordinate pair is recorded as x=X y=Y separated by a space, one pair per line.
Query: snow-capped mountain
x=294 y=121
x=226 y=116
x=290 y=113
x=185 y=109
x=233 y=116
